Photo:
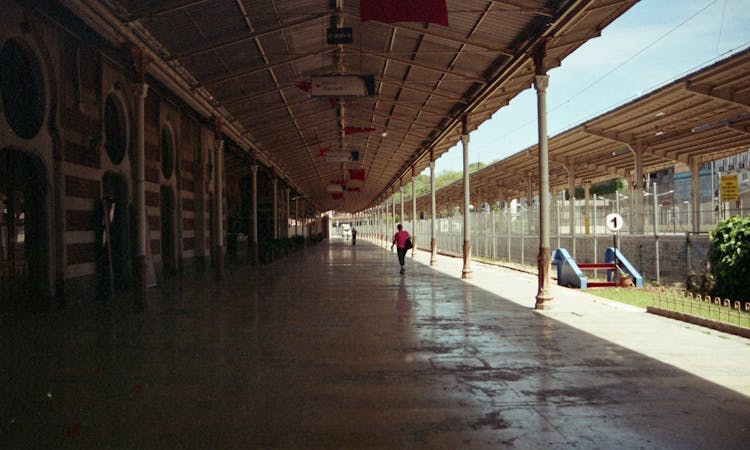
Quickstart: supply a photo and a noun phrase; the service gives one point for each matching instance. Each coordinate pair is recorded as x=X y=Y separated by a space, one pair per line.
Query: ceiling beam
x=412 y=62
x=428 y=92
x=455 y=40
x=249 y=37
x=724 y=95
x=622 y=138
x=741 y=129
x=228 y=101
x=265 y=108
x=522 y=6
x=257 y=69
x=399 y=104
x=164 y=10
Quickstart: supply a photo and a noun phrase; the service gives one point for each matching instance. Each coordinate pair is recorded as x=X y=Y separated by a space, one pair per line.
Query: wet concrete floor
x=332 y=348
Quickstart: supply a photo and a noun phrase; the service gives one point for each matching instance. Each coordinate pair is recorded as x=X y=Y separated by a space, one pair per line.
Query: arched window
x=21 y=89
x=115 y=129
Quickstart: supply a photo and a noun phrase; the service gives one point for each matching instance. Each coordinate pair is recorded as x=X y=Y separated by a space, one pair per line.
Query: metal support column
x=413 y=213
x=466 y=272
x=219 y=146
x=695 y=196
x=433 y=213
x=275 y=184
x=656 y=236
x=541 y=81
x=571 y=206
x=637 y=215
x=586 y=207
x=287 y=209
x=254 y=224
x=392 y=228
x=402 y=217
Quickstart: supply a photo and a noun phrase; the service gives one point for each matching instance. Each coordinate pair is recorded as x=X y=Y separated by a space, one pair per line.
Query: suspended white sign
x=336 y=188
x=614 y=221
x=340 y=86
x=341 y=156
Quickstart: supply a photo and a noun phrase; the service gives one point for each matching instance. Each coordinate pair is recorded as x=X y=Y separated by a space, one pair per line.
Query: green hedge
x=730 y=259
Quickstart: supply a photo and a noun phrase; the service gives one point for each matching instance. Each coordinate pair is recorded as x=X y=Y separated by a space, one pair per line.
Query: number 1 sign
x=614 y=221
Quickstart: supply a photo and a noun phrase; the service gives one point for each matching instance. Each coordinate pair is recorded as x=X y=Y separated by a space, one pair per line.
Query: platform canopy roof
x=701 y=117
x=394 y=93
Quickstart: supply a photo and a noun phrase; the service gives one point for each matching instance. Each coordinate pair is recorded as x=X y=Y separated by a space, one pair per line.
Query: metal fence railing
x=703 y=310
x=659 y=241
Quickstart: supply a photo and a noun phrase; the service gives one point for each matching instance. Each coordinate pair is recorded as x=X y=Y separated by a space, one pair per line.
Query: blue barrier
x=624 y=265
x=570 y=273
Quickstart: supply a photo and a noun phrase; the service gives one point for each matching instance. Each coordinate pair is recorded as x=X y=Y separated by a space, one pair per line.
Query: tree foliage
x=422 y=182
x=730 y=258
x=603 y=188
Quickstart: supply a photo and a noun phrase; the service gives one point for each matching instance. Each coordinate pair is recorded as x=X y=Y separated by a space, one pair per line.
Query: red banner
x=303 y=85
x=390 y=11
x=357 y=174
x=354 y=130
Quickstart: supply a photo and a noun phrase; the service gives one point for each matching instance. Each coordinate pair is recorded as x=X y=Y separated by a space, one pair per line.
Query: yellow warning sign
x=730 y=188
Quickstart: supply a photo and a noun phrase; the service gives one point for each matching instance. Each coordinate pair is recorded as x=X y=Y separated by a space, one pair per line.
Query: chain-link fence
x=657 y=238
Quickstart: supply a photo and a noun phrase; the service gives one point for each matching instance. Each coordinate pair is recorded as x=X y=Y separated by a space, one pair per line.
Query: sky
x=654 y=43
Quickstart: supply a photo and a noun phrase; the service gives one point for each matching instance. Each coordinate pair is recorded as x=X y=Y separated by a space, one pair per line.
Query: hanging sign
x=729 y=188
x=336 y=188
x=614 y=222
x=342 y=86
x=339 y=36
x=342 y=156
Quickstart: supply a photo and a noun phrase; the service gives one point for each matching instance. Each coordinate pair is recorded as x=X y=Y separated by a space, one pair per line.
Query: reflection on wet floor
x=332 y=348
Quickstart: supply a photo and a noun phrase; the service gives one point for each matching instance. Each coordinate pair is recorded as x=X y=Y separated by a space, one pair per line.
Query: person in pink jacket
x=399 y=240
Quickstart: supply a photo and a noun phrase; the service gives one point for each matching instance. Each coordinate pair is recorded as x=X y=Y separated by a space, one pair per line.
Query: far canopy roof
x=703 y=116
x=255 y=62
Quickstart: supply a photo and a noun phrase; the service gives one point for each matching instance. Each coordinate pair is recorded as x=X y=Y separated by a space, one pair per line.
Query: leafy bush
x=730 y=258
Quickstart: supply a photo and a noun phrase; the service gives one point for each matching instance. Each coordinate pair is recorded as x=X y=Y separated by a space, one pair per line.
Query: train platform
x=332 y=348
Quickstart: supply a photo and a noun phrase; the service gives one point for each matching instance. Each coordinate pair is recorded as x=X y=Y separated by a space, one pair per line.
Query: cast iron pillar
x=254 y=224
x=413 y=213
x=219 y=167
x=695 y=197
x=466 y=272
x=541 y=81
x=433 y=241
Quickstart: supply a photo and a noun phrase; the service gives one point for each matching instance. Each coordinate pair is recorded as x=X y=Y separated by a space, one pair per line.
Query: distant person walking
x=399 y=240
x=354 y=236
